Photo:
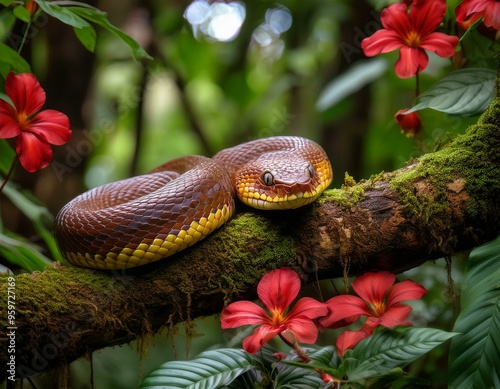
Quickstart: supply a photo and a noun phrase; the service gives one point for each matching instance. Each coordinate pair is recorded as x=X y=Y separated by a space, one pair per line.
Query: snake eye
x=268 y=178
x=310 y=170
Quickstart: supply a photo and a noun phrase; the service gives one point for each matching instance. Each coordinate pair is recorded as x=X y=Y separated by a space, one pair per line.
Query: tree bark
x=440 y=204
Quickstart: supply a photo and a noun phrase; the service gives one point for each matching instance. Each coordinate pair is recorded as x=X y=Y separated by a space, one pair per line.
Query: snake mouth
x=273 y=201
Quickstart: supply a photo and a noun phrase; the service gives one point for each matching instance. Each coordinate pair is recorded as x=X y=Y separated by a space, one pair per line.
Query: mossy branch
x=440 y=204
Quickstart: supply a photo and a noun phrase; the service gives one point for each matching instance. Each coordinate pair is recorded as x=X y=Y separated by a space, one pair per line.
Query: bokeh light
x=217 y=21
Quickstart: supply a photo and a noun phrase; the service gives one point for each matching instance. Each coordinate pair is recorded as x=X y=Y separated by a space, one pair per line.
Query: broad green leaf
x=87 y=37
x=38 y=214
x=99 y=18
x=475 y=354
x=22 y=253
x=358 y=75
x=7 y=2
x=399 y=377
x=289 y=376
x=63 y=14
x=7 y=155
x=293 y=377
x=388 y=349
x=12 y=61
x=466 y=92
x=210 y=370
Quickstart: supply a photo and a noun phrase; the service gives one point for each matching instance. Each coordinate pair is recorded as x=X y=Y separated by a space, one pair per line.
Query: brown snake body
x=145 y=218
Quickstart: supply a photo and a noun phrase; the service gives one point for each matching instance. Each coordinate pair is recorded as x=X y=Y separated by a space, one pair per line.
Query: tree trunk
x=440 y=204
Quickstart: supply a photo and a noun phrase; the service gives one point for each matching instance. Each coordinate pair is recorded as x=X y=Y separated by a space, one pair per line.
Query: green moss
x=349 y=194
x=472 y=160
x=245 y=248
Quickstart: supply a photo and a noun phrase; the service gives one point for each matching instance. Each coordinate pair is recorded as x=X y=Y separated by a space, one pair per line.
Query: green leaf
x=7 y=155
x=475 y=354
x=65 y=15
x=360 y=74
x=22 y=13
x=7 y=2
x=7 y=21
x=472 y=28
x=87 y=37
x=324 y=359
x=209 y=370
x=22 y=253
x=399 y=377
x=296 y=377
x=12 y=61
x=466 y=92
x=388 y=349
x=38 y=214
x=99 y=18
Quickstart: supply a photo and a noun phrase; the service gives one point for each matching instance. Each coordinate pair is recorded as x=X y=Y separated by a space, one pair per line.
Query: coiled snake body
x=143 y=219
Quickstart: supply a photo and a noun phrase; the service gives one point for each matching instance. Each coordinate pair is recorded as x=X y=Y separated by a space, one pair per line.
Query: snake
x=142 y=219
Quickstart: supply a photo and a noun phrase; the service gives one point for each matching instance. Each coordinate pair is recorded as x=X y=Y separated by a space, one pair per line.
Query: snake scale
x=142 y=219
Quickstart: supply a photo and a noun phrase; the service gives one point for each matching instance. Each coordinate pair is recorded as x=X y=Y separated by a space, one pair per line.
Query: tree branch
x=440 y=204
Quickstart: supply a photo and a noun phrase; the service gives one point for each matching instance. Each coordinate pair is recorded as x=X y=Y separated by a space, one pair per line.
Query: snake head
x=282 y=180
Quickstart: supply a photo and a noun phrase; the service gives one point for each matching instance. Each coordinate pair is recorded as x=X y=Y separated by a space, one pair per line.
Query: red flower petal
x=404 y=291
x=9 y=126
x=411 y=61
x=426 y=16
x=467 y=8
x=53 y=125
x=372 y=287
x=492 y=15
x=242 y=313
x=344 y=309
x=278 y=289
x=25 y=92
x=394 y=316
x=382 y=41
x=441 y=44
x=396 y=18
x=33 y=151
x=309 y=308
x=461 y=11
x=304 y=329
x=261 y=335
x=349 y=339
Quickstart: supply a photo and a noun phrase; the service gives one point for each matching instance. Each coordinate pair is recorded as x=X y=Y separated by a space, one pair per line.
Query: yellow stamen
x=378 y=308
x=277 y=318
x=413 y=39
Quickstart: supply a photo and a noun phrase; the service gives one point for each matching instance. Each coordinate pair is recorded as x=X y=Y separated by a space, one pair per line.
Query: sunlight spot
x=266 y=37
x=279 y=18
x=217 y=21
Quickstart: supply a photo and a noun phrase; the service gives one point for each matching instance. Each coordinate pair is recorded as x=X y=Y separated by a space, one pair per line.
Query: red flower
x=276 y=290
x=35 y=130
x=472 y=10
x=380 y=301
x=410 y=123
x=413 y=33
